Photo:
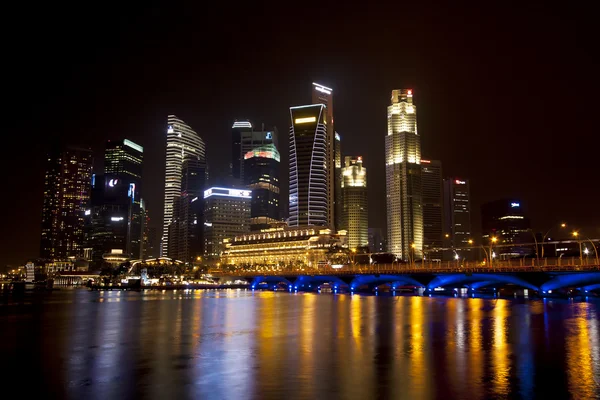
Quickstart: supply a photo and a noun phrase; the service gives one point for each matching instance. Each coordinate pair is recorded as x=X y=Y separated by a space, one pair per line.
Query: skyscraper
x=245 y=138
x=337 y=190
x=123 y=178
x=226 y=215
x=457 y=210
x=186 y=232
x=324 y=95
x=355 y=209
x=182 y=143
x=310 y=195
x=67 y=188
x=403 y=178
x=433 y=216
x=261 y=166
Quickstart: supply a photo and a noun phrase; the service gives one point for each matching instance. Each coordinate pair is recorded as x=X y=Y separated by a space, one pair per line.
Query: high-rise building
x=457 y=210
x=261 y=175
x=67 y=188
x=186 y=232
x=403 y=178
x=115 y=218
x=506 y=221
x=182 y=143
x=310 y=195
x=226 y=215
x=337 y=190
x=324 y=95
x=123 y=178
x=355 y=211
x=245 y=138
x=433 y=216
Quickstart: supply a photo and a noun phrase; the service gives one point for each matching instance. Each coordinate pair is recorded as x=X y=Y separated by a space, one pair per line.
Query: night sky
x=506 y=97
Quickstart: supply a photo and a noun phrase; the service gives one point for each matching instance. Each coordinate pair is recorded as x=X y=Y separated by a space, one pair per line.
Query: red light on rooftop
x=410 y=92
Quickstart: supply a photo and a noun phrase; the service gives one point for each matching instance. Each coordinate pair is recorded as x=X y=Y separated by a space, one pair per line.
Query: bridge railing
x=514 y=265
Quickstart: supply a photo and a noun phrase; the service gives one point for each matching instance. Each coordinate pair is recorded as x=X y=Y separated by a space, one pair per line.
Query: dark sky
x=506 y=96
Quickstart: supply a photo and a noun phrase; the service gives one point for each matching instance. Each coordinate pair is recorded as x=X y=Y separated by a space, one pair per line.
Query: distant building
x=403 y=178
x=457 y=218
x=261 y=166
x=284 y=247
x=338 y=193
x=323 y=95
x=114 y=219
x=355 y=214
x=310 y=201
x=226 y=215
x=376 y=240
x=506 y=220
x=67 y=188
x=186 y=232
x=245 y=138
x=183 y=143
x=433 y=216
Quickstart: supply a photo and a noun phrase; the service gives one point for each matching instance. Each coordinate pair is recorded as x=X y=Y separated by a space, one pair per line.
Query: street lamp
x=493 y=240
x=576 y=236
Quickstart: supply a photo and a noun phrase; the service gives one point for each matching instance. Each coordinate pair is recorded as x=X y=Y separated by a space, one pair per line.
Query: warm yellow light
x=575 y=233
x=563 y=225
x=305 y=120
x=198 y=258
x=447 y=235
x=470 y=241
x=354 y=250
x=412 y=245
x=494 y=240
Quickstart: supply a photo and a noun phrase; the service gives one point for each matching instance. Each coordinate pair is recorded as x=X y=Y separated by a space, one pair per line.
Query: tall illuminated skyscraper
x=433 y=216
x=338 y=194
x=310 y=194
x=245 y=138
x=261 y=166
x=403 y=177
x=67 y=189
x=355 y=211
x=182 y=143
x=324 y=95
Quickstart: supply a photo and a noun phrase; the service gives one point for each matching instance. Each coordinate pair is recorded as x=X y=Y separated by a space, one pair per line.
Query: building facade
x=186 y=232
x=506 y=221
x=457 y=210
x=324 y=95
x=245 y=138
x=261 y=166
x=182 y=143
x=338 y=195
x=67 y=188
x=376 y=241
x=403 y=178
x=355 y=210
x=310 y=199
x=226 y=215
x=433 y=215
x=284 y=247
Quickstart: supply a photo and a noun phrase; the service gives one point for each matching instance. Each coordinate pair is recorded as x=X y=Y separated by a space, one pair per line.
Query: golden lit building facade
x=355 y=210
x=284 y=247
x=403 y=177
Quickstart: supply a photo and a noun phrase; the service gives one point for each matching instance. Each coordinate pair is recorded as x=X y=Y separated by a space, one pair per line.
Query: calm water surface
x=239 y=344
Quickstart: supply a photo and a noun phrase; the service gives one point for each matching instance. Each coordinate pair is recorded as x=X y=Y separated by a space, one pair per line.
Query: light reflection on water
x=242 y=344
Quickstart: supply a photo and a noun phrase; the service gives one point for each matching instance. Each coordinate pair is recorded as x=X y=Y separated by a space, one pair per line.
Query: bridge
x=541 y=277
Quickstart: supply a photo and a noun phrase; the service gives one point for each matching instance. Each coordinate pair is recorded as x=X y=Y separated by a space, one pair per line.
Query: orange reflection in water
x=419 y=370
x=582 y=354
x=476 y=363
x=500 y=349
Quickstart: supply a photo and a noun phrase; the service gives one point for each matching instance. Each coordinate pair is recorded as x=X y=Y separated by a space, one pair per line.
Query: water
x=238 y=344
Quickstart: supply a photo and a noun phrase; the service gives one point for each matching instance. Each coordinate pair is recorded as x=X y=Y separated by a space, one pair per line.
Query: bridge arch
x=478 y=280
x=575 y=279
x=376 y=280
x=269 y=282
x=309 y=282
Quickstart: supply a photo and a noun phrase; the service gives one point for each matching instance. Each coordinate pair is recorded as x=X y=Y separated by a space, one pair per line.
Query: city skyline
x=472 y=142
